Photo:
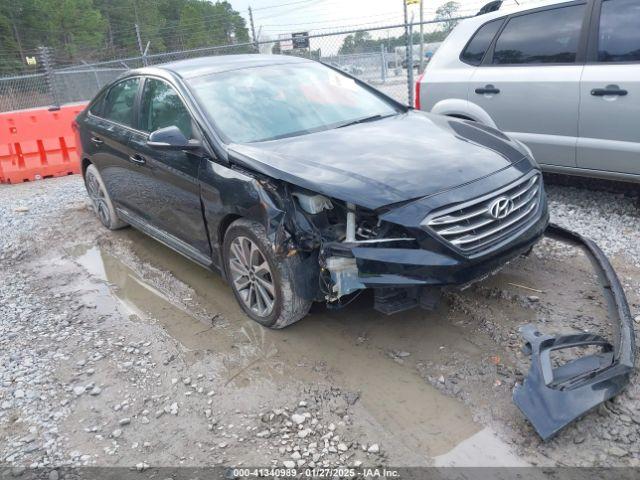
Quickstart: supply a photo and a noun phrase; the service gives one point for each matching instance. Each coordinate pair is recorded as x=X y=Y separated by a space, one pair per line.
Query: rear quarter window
x=477 y=47
x=96 y=106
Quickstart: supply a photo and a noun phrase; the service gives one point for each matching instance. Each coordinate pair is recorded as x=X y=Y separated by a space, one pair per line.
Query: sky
x=274 y=17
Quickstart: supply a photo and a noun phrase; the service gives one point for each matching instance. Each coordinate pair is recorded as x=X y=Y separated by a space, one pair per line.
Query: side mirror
x=171 y=138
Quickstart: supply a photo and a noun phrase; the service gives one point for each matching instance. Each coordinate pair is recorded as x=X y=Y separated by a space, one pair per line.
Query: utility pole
x=253 y=29
x=142 y=51
x=421 y=36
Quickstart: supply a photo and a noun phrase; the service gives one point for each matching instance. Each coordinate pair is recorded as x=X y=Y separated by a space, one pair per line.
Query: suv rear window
x=549 y=36
x=477 y=47
x=619 y=36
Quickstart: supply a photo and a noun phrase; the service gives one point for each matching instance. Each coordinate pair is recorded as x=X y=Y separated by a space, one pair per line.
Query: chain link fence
x=379 y=56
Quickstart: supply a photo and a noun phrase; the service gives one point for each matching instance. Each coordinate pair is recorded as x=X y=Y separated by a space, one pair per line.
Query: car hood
x=392 y=160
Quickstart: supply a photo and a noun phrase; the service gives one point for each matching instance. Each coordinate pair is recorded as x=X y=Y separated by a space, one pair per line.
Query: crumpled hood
x=392 y=160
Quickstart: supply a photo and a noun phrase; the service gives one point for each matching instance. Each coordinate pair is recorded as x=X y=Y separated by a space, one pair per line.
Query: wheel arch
x=459 y=108
x=84 y=164
x=224 y=225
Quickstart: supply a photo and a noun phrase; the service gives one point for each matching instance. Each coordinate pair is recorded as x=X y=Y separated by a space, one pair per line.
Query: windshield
x=266 y=103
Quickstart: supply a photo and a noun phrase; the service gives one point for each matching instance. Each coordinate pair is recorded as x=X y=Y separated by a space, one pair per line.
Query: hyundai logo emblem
x=501 y=207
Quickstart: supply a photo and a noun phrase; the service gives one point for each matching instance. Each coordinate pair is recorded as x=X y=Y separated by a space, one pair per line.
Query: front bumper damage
x=551 y=398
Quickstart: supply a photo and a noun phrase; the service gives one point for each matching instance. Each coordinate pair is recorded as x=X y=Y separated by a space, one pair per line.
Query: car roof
x=195 y=67
x=502 y=12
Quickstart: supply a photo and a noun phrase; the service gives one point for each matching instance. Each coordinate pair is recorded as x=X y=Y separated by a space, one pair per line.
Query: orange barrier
x=38 y=143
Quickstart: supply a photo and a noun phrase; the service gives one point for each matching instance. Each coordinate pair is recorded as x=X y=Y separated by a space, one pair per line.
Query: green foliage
x=361 y=42
x=446 y=13
x=94 y=30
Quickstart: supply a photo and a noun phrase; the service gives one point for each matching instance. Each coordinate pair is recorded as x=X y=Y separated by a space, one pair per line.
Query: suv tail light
x=417 y=91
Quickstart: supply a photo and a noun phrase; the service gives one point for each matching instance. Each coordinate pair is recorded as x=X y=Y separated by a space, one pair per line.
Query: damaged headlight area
x=340 y=227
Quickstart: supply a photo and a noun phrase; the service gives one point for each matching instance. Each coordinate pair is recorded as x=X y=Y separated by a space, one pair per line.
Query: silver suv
x=563 y=77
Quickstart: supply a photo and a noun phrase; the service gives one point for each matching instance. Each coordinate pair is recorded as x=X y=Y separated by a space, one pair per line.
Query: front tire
x=100 y=199
x=263 y=285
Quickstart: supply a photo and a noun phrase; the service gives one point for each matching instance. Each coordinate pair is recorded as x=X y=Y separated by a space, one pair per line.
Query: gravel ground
x=116 y=352
x=610 y=219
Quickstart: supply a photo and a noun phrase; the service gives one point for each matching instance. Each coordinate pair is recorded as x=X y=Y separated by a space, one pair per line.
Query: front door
x=609 y=125
x=529 y=81
x=173 y=203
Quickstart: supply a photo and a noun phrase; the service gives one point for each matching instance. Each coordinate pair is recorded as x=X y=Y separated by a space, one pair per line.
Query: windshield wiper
x=371 y=118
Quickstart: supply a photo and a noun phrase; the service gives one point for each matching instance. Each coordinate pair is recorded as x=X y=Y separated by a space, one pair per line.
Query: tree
x=121 y=16
x=446 y=13
x=11 y=54
x=362 y=42
x=93 y=30
x=359 y=42
x=208 y=24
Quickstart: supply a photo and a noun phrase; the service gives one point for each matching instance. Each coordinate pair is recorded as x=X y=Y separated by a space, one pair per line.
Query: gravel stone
x=375 y=448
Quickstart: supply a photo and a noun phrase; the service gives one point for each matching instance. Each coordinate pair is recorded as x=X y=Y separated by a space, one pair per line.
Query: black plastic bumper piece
x=551 y=398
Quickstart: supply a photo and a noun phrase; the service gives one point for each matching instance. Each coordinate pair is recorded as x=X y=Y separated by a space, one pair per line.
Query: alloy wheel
x=251 y=276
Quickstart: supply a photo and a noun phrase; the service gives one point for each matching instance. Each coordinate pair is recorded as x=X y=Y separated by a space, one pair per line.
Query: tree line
x=94 y=30
x=363 y=42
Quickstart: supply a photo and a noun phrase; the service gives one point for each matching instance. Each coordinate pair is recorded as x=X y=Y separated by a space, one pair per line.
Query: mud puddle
x=356 y=349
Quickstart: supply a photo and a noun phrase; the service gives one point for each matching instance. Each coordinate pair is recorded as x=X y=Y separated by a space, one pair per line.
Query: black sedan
x=300 y=183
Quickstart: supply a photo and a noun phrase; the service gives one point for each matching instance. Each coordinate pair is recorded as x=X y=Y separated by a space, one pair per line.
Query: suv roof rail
x=490 y=7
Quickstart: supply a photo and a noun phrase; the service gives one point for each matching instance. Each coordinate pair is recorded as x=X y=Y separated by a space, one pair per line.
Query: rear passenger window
x=480 y=42
x=619 y=36
x=118 y=104
x=549 y=36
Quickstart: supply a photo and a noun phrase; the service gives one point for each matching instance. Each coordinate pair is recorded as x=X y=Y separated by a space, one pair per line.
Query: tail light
x=417 y=91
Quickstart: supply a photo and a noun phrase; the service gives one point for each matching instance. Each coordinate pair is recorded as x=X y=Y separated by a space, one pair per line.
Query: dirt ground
x=117 y=351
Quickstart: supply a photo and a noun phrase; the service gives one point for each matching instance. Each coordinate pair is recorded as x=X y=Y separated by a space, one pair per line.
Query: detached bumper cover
x=551 y=398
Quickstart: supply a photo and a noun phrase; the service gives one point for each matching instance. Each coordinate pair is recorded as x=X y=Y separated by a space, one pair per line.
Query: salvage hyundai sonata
x=300 y=183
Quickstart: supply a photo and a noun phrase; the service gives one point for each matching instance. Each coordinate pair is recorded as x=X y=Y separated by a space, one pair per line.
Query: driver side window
x=162 y=107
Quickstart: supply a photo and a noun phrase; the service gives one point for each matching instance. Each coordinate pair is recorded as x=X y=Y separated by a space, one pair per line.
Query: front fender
x=456 y=107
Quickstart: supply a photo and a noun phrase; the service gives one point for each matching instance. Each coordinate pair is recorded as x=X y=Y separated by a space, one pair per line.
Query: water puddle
x=484 y=449
x=348 y=348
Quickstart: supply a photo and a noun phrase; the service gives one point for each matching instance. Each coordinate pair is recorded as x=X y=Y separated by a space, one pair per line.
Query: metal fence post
x=383 y=58
x=410 y=66
x=47 y=63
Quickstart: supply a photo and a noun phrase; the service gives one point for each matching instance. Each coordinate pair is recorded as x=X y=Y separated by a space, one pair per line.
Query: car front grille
x=485 y=221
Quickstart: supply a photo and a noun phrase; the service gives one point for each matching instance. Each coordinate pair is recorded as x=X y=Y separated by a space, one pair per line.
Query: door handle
x=488 y=89
x=601 y=92
x=97 y=140
x=138 y=159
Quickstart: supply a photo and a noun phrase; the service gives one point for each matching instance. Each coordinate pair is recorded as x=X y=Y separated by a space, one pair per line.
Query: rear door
x=609 y=125
x=172 y=202
x=109 y=125
x=529 y=80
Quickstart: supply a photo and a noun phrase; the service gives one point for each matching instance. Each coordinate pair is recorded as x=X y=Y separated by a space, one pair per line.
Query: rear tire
x=100 y=199
x=263 y=285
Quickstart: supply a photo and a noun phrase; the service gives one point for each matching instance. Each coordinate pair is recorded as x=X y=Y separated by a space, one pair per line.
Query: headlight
x=313 y=204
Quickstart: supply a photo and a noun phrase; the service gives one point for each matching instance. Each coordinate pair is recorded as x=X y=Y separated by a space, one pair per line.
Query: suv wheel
x=100 y=199
x=263 y=285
